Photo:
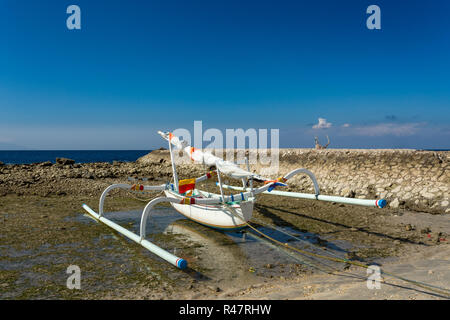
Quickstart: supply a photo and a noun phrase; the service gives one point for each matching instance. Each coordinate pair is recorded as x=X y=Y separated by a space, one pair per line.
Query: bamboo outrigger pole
x=381 y=203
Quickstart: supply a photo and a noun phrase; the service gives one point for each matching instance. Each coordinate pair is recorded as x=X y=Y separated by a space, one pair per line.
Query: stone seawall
x=409 y=179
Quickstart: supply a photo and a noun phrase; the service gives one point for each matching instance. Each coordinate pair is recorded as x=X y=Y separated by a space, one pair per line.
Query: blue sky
x=136 y=67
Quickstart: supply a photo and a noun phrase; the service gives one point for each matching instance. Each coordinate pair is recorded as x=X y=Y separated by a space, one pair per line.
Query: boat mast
x=174 y=169
x=251 y=178
x=220 y=184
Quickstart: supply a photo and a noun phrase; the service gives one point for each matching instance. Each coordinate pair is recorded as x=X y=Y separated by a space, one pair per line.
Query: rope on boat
x=435 y=289
x=141 y=199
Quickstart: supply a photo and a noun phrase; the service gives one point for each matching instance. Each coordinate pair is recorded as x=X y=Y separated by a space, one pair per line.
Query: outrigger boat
x=225 y=212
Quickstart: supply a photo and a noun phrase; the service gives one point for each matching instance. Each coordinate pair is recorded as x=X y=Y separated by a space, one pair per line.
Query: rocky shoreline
x=46 y=178
x=408 y=179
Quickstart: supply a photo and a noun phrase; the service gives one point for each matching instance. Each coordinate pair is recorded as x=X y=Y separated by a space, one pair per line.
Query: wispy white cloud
x=323 y=124
x=346 y=125
x=384 y=129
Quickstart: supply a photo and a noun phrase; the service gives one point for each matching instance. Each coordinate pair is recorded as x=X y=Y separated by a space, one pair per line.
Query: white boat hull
x=226 y=217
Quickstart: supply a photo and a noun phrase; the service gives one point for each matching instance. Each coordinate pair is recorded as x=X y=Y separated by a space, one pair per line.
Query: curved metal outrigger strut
x=149 y=207
x=125 y=187
x=309 y=174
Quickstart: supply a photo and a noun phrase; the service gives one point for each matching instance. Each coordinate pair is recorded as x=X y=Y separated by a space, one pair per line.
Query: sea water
x=80 y=156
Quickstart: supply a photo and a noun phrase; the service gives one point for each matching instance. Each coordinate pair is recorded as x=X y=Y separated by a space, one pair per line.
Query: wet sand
x=43 y=234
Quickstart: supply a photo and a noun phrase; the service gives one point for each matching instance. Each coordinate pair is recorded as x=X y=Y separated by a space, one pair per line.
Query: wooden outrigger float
x=225 y=212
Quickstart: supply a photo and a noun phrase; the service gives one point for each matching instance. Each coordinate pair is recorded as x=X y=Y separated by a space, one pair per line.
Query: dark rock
x=64 y=161
x=88 y=175
x=426 y=230
x=45 y=194
x=45 y=164
x=154 y=157
x=214 y=288
x=1 y=164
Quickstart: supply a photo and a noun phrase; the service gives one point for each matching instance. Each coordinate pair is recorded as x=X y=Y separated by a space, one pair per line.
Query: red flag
x=186 y=185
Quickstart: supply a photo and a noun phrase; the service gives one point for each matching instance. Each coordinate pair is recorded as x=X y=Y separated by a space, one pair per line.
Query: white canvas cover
x=228 y=168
